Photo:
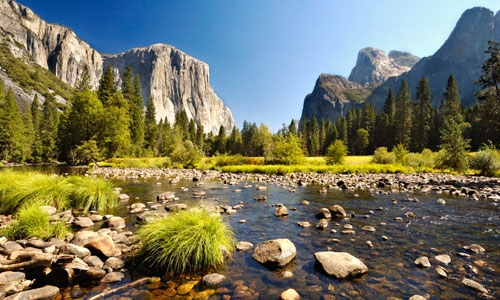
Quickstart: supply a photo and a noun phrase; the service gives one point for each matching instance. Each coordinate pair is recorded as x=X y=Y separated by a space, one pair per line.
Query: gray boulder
x=340 y=264
x=275 y=253
x=213 y=280
x=46 y=292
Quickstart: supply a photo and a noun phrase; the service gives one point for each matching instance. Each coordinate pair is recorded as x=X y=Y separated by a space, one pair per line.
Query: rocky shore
x=35 y=269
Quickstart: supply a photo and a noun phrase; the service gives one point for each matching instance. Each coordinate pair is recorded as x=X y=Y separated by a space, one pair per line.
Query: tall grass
x=18 y=190
x=32 y=221
x=90 y=193
x=145 y=162
x=187 y=240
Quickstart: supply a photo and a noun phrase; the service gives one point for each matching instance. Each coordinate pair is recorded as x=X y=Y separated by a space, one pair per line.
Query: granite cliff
x=173 y=79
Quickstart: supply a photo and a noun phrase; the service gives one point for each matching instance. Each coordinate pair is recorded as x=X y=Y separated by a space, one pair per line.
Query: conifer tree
x=84 y=80
x=11 y=128
x=421 y=117
x=402 y=116
x=451 y=107
x=150 y=127
x=49 y=125
x=36 y=116
x=107 y=88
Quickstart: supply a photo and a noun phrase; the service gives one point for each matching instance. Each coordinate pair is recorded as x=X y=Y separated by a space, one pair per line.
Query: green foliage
x=402 y=115
x=358 y=95
x=186 y=155
x=382 y=156
x=454 y=148
x=335 y=153
x=145 y=162
x=287 y=150
x=86 y=153
x=186 y=240
x=12 y=130
x=31 y=222
x=486 y=161
x=400 y=153
x=425 y=159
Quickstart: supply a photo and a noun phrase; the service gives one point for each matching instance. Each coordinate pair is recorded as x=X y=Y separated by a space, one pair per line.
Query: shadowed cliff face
x=172 y=78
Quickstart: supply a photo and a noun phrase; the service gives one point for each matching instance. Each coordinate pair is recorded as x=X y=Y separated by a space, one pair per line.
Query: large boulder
x=340 y=264
x=102 y=245
x=46 y=292
x=338 y=211
x=275 y=253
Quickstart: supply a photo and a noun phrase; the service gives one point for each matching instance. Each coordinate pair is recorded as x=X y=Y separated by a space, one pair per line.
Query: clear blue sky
x=264 y=55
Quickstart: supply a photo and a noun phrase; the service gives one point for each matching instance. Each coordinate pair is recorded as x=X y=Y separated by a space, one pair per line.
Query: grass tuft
x=90 y=193
x=186 y=240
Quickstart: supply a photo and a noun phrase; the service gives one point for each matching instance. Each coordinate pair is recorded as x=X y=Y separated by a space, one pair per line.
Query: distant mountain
x=174 y=80
x=373 y=66
x=333 y=95
x=461 y=55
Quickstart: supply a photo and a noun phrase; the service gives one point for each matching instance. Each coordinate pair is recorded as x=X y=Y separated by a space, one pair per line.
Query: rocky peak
x=374 y=66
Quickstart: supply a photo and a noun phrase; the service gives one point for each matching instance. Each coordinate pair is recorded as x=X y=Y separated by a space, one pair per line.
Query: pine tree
x=150 y=127
x=84 y=80
x=220 y=141
x=313 y=138
x=114 y=137
x=402 y=116
x=451 y=107
x=421 y=116
x=107 y=88
x=36 y=116
x=49 y=128
x=234 y=142
x=11 y=128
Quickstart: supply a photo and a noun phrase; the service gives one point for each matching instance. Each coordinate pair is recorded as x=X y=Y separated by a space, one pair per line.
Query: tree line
x=111 y=122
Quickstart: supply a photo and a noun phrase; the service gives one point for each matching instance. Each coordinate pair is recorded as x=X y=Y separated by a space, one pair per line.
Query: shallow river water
x=433 y=230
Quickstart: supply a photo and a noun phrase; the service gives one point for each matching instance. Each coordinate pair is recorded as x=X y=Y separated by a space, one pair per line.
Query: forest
x=108 y=122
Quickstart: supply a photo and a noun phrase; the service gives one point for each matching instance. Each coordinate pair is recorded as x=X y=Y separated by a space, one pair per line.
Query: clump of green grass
x=145 y=162
x=32 y=221
x=187 y=240
x=91 y=193
x=18 y=190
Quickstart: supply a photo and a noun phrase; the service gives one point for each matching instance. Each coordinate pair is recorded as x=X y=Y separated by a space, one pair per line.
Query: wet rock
x=96 y=217
x=82 y=222
x=102 y=246
x=123 y=197
x=441 y=272
x=304 y=224
x=113 y=277
x=213 y=280
x=94 y=273
x=441 y=201
x=165 y=196
x=260 y=198
x=304 y=202
x=443 y=258
x=369 y=228
x=116 y=223
x=114 y=263
x=244 y=246
x=338 y=211
x=46 y=292
x=323 y=213
x=474 y=285
x=340 y=264
x=281 y=211
x=185 y=288
x=275 y=253
x=475 y=248
x=290 y=294
x=322 y=224
x=423 y=262
x=176 y=206
x=417 y=297
x=82 y=237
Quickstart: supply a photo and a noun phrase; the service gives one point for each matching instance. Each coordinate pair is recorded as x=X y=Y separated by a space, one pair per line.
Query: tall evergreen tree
x=402 y=116
x=150 y=127
x=11 y=128
x=107 y=88
x=234 y=142
x=451 y=107
x=421 y=117
x=84 y=80
x=49 y=125
x=36 y=116
x=313 y=138
x=115 y=134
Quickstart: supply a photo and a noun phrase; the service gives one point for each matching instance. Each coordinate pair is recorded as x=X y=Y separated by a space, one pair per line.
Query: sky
x=264 y=55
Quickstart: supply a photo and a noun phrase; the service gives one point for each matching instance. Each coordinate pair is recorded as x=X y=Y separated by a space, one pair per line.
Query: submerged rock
x=474 y=285
x=275 y=253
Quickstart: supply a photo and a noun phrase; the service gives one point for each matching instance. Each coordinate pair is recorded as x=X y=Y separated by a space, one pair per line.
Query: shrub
x=421 y=160
x=335 y=153
x=400 y=152
x=192 y=239
x=286 y=150
x=382 y=156
x=487 y=162
x=31 y=222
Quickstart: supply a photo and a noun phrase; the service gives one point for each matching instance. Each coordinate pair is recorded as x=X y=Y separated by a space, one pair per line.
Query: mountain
x=373 y=66
x=461 y=55
x=333 y=95
x=174 y=80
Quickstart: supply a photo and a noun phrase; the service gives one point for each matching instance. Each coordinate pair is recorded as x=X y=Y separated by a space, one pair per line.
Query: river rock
x=165 y=196
x=474 y=285
x=94 y=273
x=76 y=250
x=443 y=258
x=340 y=264
x=304 y=224
x=322 y=224
x=113 y=277
x=213 y=280
x=8 y=276
x=337 y=211
x=441 y=272
x=290 y=294
x=102 y=245
x=116 y=223
x=244 y=246
x=368 y=228
x=176 y=206
x=323 y=213
x=417 y=297
x=82 y=237
x=260 y=198
x=8 y=247
x=46 y=292
x=50 y=210
x=83 y=222
x=423 y=261
x=275 y=253
x=93 y=261
x=281 y=211
x=114 y=263
x=475 y=248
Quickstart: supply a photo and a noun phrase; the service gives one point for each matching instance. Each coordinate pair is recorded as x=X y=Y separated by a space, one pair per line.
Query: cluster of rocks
x=35 y=269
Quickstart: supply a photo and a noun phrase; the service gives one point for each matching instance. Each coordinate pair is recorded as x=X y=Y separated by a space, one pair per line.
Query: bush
x=421 y=160
x=33 y=222
x=487 y=162
x=287 y=150
x=382 y=156
x=192 y=239
x=335 y=153
x=400 y=152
